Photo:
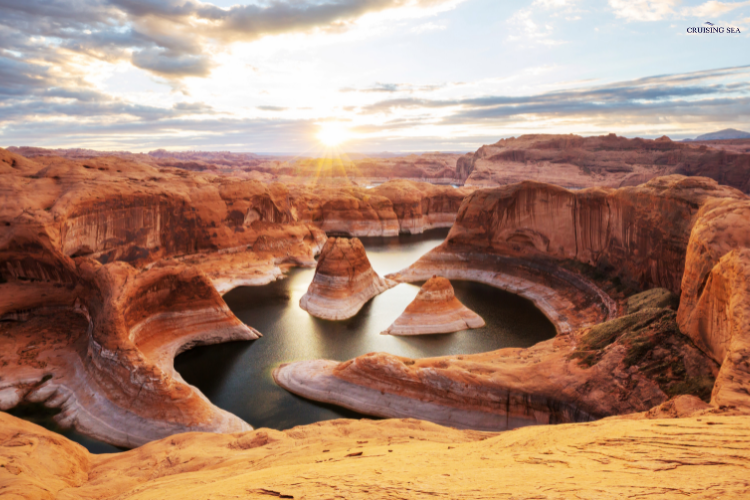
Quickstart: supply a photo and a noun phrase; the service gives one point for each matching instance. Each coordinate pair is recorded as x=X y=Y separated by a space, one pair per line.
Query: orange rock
x=607 y=161
x=344 y=281
x=357 y=459
x=548 y=244
x=435 y=310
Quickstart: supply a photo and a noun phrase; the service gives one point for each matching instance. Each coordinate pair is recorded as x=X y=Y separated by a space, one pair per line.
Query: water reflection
x=237 y=376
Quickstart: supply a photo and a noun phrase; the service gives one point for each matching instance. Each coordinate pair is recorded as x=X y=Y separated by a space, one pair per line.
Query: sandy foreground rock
x=704 y=458
x=344 y=281
x=562 y=249
x=435 y=309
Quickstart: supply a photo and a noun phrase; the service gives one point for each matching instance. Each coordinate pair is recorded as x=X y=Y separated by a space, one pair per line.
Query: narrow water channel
x=236 y=376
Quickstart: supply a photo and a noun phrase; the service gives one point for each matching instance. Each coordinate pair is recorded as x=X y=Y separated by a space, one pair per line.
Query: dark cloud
x=691 y=90
x=172 y=38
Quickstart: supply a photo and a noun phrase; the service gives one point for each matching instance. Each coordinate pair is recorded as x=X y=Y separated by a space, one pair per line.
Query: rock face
x=607 y=161
x=435 y=310
x=397 y=206
x=613 y=355
x=110 y=266
x=344 y=281
x=700 y=458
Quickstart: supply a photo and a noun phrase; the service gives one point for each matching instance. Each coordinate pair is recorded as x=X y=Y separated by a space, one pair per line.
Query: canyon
x=576 y=254
x=110 y=267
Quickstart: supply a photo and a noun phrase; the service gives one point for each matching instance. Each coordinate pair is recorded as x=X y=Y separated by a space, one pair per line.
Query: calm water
x=236 y=376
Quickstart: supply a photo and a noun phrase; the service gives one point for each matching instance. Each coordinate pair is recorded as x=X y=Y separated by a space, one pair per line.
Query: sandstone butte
x=110 y=267
x=576 y=254
x=608 y=161
x=697 y=458
x=435 y=309
x=344 y=281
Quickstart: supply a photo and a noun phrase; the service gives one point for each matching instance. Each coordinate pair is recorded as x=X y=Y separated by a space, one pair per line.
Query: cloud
x=171 y=38
x=713 y=9
x=643 y=10
x=719 y=92
x=393 y=88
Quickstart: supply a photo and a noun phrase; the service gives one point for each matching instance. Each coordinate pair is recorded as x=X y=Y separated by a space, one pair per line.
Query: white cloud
x=713 y=8
x=643 y=10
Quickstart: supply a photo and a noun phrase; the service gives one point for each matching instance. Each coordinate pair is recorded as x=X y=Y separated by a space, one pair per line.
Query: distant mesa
x=435 y=310
x=727 y=133
x=344 y=281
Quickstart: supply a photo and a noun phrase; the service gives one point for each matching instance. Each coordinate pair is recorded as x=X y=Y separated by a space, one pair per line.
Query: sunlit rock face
x=435 y=310
x=615 y=353
x=607 y=161
x=344 y=281
x=111 y=266
x=397 y=206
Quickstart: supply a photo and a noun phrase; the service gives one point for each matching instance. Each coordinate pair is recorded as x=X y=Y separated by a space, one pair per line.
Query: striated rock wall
x=640 y=232
x=397 y=206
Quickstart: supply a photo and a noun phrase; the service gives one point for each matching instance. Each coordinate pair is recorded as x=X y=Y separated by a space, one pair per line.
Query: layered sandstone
x=344 y=281
x=96 y=298
x=435 y=309
x=608 y=161
x=611 y=356
x=701 y=458
x=131 y=255
x=397 y=206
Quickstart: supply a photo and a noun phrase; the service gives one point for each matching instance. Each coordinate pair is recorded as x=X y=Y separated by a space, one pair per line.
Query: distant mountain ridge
x=727 y=133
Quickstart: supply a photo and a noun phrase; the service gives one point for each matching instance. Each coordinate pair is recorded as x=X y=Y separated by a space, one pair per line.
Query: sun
x=333 y=134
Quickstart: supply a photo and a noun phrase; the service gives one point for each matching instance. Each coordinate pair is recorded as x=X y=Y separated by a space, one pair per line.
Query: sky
x=292 y=76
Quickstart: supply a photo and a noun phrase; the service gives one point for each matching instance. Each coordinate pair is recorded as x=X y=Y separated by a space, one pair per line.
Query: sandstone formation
x=110 y=266
x=398 y=206
x=573 y=253
x=608 y=161
x=700 y=458
x=435 y=309
x=344 y=281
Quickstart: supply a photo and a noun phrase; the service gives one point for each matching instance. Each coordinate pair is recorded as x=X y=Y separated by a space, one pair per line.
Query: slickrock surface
x=435 y=309
x=686 y=235
x=703 y=458
x=344 y=281
x=608 y=161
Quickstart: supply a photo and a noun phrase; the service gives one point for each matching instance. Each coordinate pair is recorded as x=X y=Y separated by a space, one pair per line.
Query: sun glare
x=333 y=134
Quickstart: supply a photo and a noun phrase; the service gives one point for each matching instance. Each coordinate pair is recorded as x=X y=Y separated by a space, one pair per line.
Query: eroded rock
x=435 y=310
x=344 y=281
